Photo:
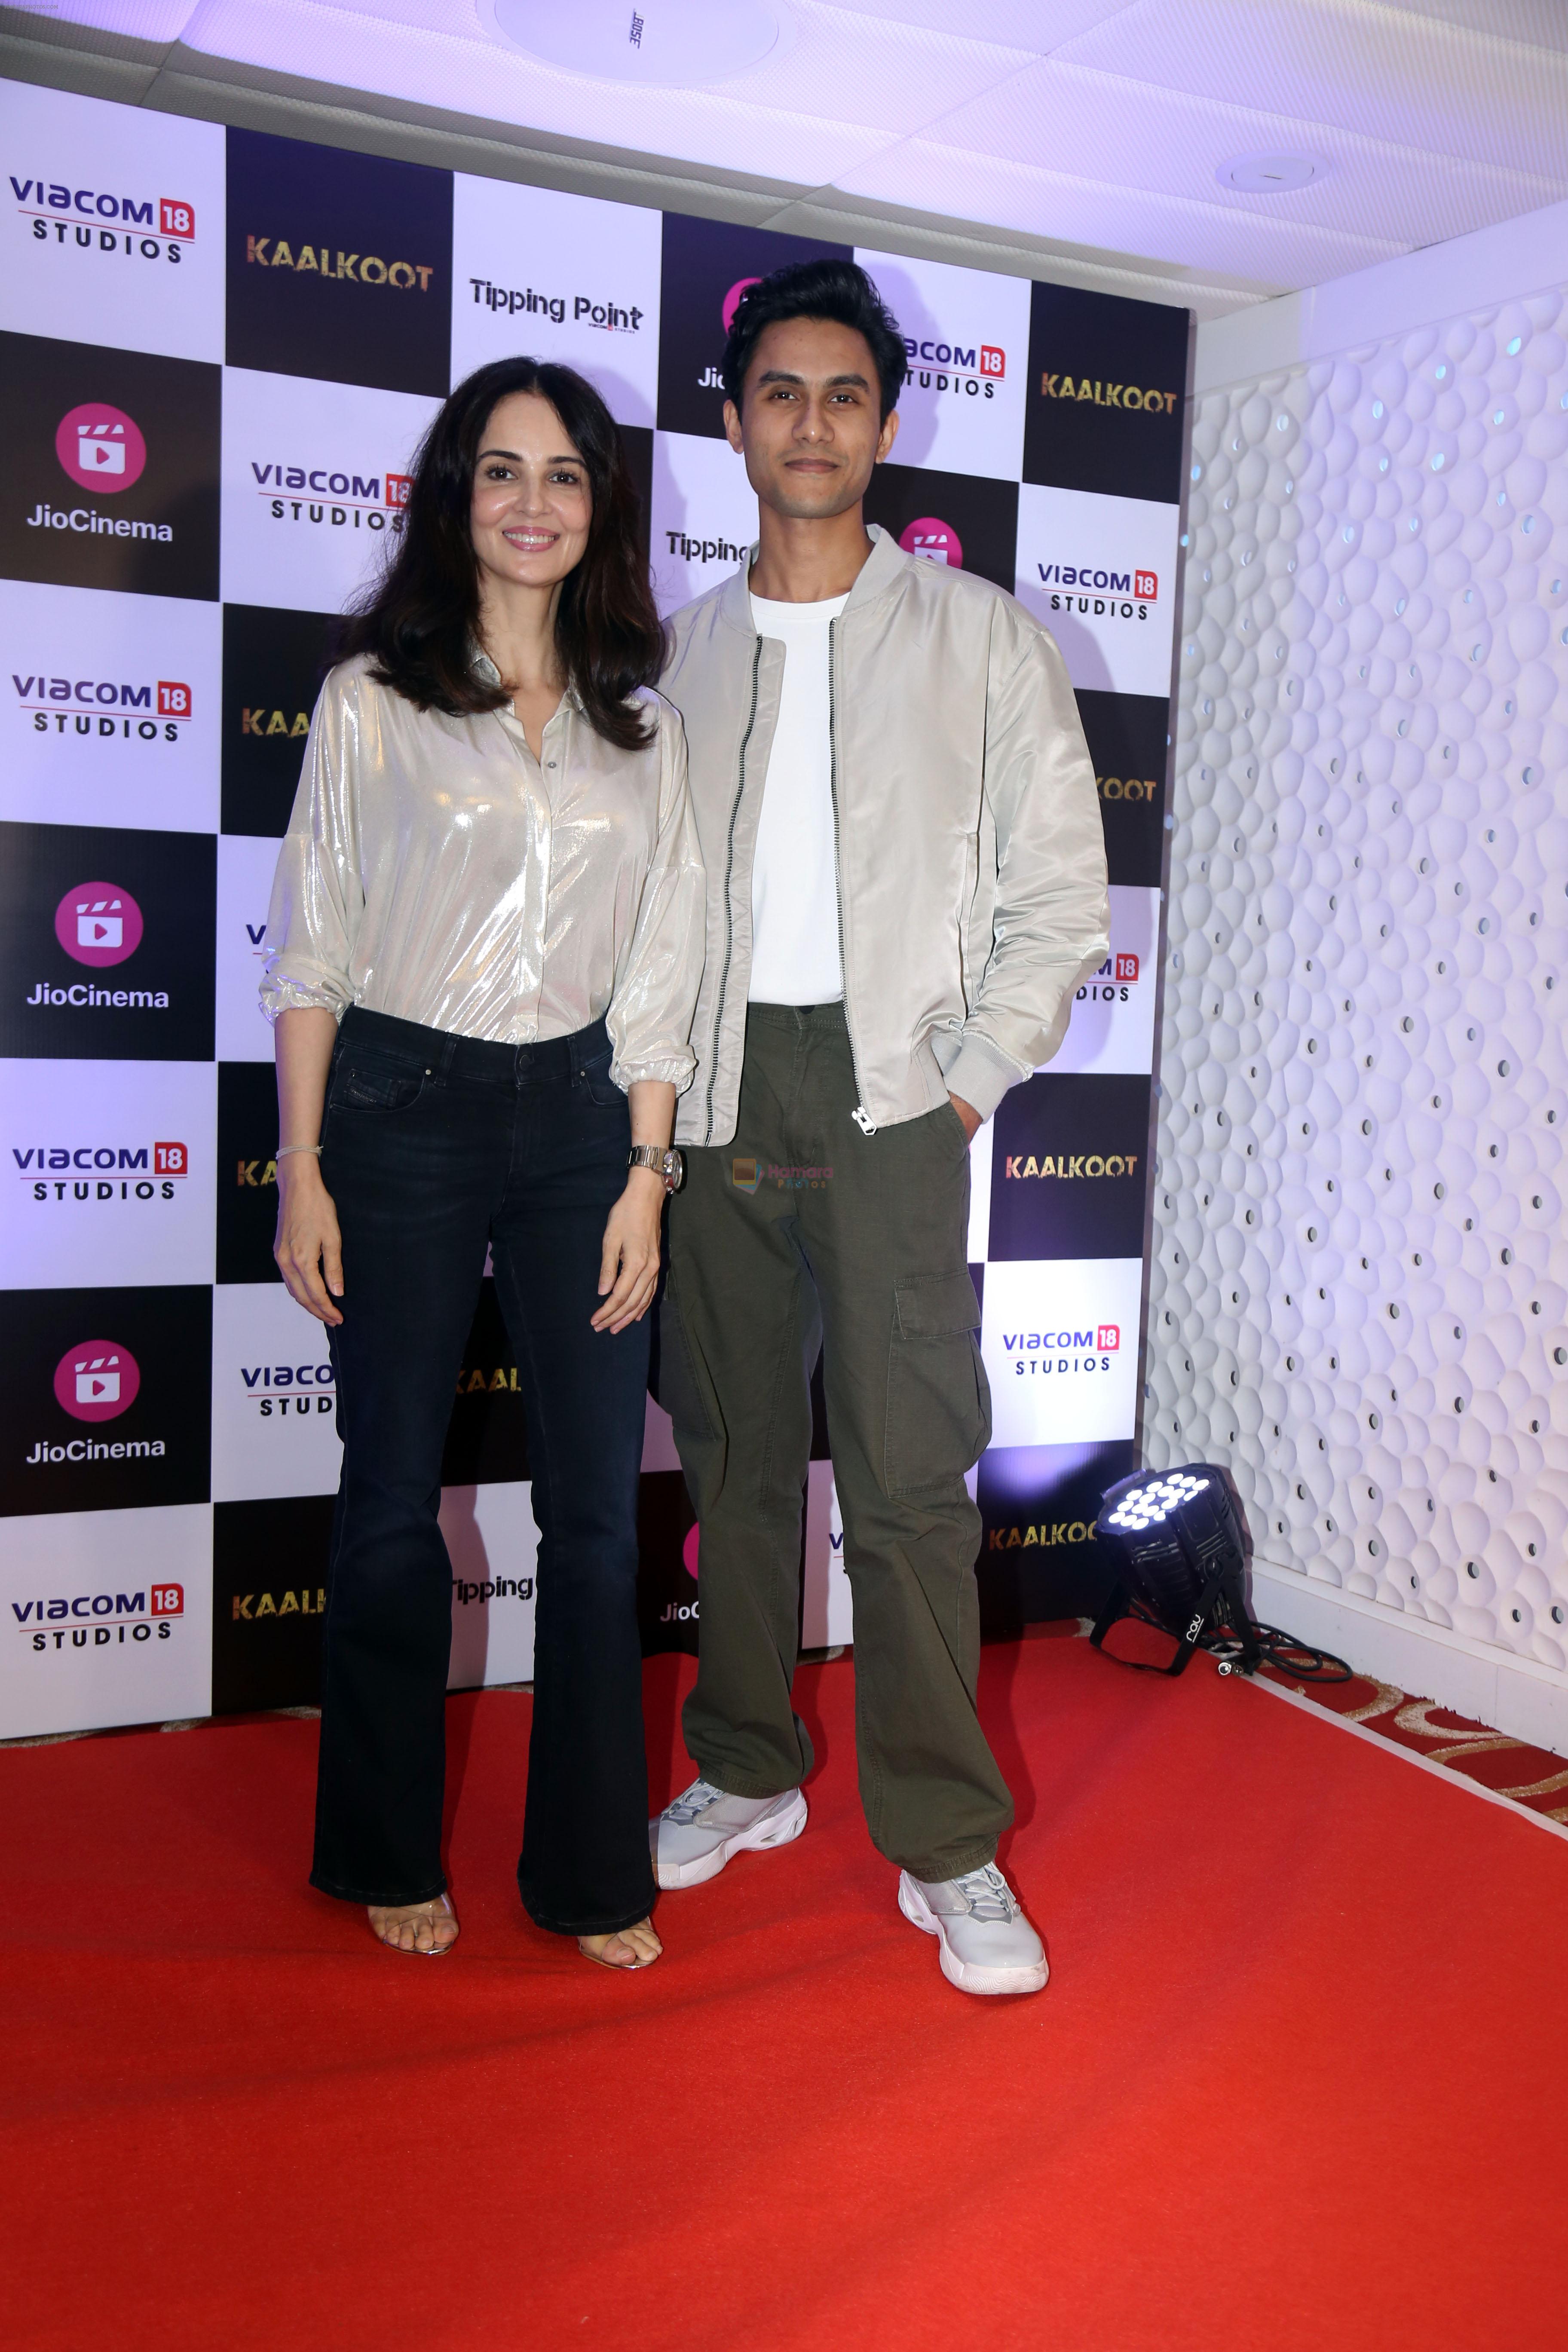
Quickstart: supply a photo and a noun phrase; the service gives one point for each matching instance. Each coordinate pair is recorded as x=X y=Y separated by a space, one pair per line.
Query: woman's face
x=531 y=505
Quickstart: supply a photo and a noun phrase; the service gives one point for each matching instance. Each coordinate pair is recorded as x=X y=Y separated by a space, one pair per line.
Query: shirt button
x=549 y=764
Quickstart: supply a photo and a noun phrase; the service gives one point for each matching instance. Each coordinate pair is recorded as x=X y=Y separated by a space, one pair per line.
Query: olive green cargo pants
x=805 y=1235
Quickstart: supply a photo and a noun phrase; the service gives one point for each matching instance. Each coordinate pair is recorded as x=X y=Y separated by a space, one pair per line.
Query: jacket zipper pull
x=863 y=1119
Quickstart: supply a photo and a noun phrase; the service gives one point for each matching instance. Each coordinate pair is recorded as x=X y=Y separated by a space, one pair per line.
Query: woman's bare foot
x=633 y=1947
x=430 y=1927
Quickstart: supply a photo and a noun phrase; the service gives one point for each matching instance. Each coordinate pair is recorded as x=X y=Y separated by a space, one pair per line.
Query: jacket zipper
x=728 y=876
x=860 y=1115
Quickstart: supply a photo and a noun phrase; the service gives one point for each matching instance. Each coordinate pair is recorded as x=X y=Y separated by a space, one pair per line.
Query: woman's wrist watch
x=671 y=1164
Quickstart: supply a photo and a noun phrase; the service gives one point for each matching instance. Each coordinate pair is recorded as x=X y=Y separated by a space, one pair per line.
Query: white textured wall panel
x=1360 y=1293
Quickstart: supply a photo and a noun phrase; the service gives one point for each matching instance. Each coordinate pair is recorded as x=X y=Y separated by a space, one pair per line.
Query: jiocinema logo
x=97 y=1380
x=933 y=541
x=99 y=923
x=100 y=447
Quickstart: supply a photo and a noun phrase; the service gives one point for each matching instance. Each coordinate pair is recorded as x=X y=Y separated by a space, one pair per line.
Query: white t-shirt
x=795 y=879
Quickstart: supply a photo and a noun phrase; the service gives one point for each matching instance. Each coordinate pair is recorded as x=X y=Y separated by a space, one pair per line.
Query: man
x=906 y=876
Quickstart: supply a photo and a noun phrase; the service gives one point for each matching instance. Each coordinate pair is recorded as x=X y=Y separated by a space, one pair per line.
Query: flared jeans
x=435 y=1148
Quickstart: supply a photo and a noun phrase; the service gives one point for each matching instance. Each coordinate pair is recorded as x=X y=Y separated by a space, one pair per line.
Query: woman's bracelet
x=285 y=1149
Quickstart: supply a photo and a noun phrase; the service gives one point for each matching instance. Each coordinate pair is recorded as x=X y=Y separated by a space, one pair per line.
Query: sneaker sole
x=967 y=1974
x=770 y=1830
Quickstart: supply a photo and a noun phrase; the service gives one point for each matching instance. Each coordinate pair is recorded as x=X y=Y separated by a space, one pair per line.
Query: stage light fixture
x=1177 y=1545
x=1176 y=1539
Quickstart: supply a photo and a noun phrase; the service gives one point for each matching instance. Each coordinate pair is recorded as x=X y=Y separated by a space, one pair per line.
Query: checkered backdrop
x=219 y=351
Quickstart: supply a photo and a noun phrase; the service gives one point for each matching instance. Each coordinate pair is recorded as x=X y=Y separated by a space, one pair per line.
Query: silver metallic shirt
x=434 y=869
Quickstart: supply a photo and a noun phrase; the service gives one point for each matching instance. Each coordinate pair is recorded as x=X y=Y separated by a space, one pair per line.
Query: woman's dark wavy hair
x=419 y=621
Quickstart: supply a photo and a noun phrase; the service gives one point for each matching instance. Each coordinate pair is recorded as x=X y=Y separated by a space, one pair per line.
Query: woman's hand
x=308 y=1246
x=628 y=1267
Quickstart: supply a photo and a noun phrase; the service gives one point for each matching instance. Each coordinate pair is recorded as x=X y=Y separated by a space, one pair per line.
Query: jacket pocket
x=939 y=1400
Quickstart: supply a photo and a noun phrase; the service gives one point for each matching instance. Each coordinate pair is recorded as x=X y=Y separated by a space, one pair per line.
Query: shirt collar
x=483 y=668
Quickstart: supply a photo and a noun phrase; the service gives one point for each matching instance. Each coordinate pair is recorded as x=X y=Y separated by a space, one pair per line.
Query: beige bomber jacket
x=971 y=891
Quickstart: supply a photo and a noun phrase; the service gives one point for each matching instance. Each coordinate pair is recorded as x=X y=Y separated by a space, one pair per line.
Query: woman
x=485 y=942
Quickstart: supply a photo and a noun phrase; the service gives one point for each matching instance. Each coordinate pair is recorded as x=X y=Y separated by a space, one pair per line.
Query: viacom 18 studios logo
x=149 y=710
x=281 y=1392
x=100 y=1619
x=1097 y=590
x=1112 y=983
x=337 y=498
x=1040 y=1355
x=970 y=372
x=100 y=1172
x=139 y=228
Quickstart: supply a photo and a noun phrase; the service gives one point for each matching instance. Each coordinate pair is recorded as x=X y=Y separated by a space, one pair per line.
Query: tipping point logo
x=934 y=540
x=731 y=302
x=99 y=923
x=100 y=447
x=97 y=1380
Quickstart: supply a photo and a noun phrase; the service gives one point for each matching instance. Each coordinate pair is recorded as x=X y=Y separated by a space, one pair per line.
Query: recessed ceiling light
x=668 y=43
x=1271 y=175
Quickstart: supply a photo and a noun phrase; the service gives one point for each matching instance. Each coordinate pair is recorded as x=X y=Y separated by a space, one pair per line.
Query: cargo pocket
x=939 y=1400
x=676 y=1386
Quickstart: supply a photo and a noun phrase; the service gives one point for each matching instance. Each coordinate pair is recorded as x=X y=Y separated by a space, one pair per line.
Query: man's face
x=809 y=427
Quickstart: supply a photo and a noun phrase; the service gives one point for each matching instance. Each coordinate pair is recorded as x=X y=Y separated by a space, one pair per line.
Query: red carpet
x=1298 y=2079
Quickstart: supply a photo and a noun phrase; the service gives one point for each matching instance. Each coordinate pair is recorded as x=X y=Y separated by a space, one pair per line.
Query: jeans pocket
x=939 y=1399
x=367 y=1081
x=594 y=1081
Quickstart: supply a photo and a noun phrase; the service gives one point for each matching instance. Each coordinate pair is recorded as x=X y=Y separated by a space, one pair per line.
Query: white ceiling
x=1087 y=131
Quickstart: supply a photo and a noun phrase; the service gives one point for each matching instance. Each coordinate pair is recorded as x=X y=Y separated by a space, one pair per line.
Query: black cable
x=1280 y=1650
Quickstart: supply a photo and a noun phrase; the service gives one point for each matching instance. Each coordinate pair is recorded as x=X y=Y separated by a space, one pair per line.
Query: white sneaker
x=693 y=1838
x=988 y=1945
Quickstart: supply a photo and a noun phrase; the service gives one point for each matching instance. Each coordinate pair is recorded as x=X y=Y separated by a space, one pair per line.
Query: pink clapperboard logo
x=99 y=923
x=732 y=299
x=97 y=1380
x=936 y=541
x=100 y=447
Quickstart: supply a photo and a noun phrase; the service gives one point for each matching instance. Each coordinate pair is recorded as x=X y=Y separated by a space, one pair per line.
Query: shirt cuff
x=288 y=996
x=677 y=1071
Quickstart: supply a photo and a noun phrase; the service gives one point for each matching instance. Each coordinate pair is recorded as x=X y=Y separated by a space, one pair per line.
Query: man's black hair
x=839 y=290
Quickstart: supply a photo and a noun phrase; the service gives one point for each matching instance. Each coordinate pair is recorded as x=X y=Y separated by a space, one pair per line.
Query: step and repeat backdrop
x=218 y=350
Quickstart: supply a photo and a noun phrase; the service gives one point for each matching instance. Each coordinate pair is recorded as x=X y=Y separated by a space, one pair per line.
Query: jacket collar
x=881 y=571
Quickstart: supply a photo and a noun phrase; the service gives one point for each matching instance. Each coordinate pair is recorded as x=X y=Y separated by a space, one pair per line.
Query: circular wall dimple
x=1361 y=1267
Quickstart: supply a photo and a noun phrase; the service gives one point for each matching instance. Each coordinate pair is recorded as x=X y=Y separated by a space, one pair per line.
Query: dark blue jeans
x=435 y=1146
